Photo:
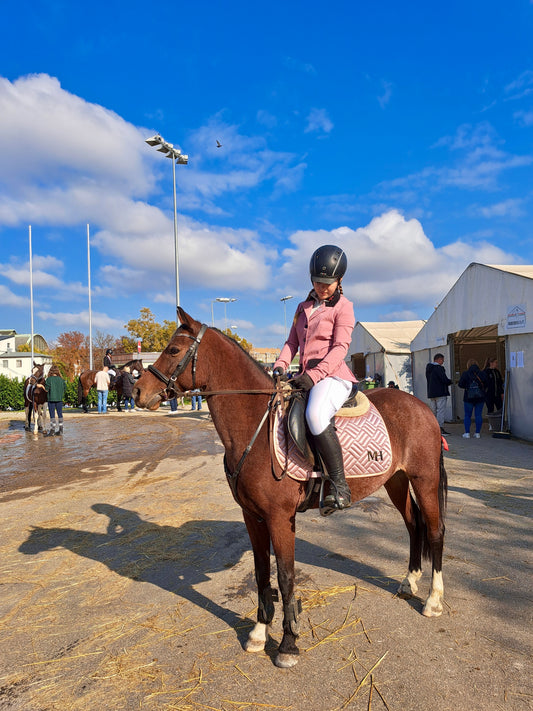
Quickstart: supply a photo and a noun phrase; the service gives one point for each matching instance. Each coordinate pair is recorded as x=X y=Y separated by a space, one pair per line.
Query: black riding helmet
x=109 y=351
x=328 y=264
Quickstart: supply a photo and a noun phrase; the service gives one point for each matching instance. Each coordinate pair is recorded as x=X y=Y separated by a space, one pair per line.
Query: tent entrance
x=479 y=343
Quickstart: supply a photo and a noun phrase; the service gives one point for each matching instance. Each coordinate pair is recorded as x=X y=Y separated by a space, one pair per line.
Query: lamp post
x=176 y=156
x=224 y=300
x=285 y=299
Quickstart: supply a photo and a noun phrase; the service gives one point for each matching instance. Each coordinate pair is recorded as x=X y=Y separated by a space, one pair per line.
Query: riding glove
x=302 y=382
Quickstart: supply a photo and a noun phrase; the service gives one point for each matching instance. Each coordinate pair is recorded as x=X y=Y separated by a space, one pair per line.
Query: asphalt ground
x=127 y=581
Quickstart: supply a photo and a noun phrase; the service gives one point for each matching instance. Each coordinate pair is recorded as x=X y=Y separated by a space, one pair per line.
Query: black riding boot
x=329 y=448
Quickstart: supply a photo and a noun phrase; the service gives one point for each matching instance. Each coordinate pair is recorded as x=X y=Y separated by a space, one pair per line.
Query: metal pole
x=212 y=315
x=225 y=317
x=176 y=258
x=31 y=300
x=90 y=310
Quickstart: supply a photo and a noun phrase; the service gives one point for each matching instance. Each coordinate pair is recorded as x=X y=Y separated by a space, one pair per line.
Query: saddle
x=361 y=430
x=355 y=405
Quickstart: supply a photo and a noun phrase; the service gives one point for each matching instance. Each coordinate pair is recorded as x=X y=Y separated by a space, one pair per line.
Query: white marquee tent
x=384 y=348
x=488 y=312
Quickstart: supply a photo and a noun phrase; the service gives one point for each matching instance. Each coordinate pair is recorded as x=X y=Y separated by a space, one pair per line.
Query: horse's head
x=37 y=372
x=175 y=369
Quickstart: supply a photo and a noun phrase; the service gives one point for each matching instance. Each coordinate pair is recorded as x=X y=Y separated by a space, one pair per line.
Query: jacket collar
x=312 y=296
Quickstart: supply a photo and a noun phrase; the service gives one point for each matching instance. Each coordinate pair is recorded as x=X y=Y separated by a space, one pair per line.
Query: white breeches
x=325 y=398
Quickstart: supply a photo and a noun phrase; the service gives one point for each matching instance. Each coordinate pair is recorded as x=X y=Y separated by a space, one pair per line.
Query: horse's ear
x=187 y=321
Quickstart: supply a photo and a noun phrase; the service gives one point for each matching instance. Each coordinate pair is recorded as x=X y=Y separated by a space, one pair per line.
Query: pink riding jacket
x=323 y=337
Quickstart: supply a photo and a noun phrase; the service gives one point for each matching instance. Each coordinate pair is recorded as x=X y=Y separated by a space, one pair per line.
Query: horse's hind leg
x=431 y=497
x=260 y=539
x=398 y=490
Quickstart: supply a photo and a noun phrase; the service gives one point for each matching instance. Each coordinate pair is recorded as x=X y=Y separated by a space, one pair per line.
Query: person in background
x=473 y=382
x=322 y=333
x=101 y=380
x=111 y=369
x=392 y=384
x=55 y=392
x=494 y=390
x=196 y=399
x=128 y=381
x=437 y=389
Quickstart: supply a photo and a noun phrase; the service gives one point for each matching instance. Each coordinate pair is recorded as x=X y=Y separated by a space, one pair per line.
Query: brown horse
x=35 y=399
x=86 y=381
x=238 y=398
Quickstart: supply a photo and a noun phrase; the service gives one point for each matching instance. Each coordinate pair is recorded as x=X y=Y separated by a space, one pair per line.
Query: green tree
x=155 y=336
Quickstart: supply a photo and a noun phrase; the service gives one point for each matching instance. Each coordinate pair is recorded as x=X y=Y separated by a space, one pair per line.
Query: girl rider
x=322 y=332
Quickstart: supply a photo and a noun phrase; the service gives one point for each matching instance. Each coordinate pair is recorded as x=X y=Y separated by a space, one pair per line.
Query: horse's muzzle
x=151 y=403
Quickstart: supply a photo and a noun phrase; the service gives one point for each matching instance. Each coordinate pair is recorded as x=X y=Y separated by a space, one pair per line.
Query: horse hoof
x=286 y=661
x=432 y=609
x=254 y=645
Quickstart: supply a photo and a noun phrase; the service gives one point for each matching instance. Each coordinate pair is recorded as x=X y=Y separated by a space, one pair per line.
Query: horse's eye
x=173 y=350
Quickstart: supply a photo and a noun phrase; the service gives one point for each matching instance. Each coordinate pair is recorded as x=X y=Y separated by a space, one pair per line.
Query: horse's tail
x=443 y=499
x=80 y=392
x=443 y=491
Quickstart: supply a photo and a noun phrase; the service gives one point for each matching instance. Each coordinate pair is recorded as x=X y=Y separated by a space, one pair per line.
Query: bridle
x=191 y=354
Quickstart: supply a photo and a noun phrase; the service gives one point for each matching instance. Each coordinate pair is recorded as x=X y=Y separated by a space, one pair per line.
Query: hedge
x=12 y=394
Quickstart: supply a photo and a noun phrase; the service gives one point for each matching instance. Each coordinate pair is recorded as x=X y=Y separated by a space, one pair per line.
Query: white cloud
x=318 y=121
x=505 y=208
x=8 y=298
x=80 y=321
x=524 y=118
x=385 y=97
x=521 y=86
x=390 y=260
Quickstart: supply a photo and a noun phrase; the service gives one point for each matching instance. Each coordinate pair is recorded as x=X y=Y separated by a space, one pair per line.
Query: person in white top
x=102 y=381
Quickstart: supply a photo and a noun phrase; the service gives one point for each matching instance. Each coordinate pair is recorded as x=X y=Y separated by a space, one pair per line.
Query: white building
x=384 y=349
x=17 y=364
x=488 y=312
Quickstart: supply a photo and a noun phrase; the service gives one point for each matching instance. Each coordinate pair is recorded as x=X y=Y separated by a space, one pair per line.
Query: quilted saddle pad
x=365 y=443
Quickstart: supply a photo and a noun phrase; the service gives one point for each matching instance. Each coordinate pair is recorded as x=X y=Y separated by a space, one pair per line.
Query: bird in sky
x=219 y=145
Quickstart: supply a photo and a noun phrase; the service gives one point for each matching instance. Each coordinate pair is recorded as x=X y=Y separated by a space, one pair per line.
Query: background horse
x=238 y=398
x=35 y=398
x=86 y=381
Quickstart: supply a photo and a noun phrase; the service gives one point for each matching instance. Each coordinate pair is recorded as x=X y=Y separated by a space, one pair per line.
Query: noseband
x=192 y=353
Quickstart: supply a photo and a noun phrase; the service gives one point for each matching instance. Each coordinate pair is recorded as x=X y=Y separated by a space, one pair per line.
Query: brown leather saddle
x=298 y=430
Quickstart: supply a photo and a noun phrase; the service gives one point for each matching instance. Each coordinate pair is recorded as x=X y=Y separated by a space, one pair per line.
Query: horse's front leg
x=260 y=539
x=27 y=415
x=35 y=418
x=283 y=543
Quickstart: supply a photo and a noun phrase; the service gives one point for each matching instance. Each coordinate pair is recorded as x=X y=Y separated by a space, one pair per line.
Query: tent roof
x=483 y=296
x=524 y=270
x=393 y=336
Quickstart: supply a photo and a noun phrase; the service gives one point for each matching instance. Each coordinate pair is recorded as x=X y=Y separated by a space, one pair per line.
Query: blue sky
x=402 y=132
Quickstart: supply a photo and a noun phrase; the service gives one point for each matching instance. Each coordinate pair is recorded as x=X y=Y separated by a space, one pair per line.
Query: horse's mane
x=232 y=341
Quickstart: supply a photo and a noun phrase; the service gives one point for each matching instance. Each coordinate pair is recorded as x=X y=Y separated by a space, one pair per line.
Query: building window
x=19 y=364
x=5 y=364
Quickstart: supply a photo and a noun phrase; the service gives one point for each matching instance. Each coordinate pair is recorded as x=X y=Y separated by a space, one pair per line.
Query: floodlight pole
x=224 y=300
x=285 y=299
x=90 y=309
x=31 y=300
x=175 y=156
